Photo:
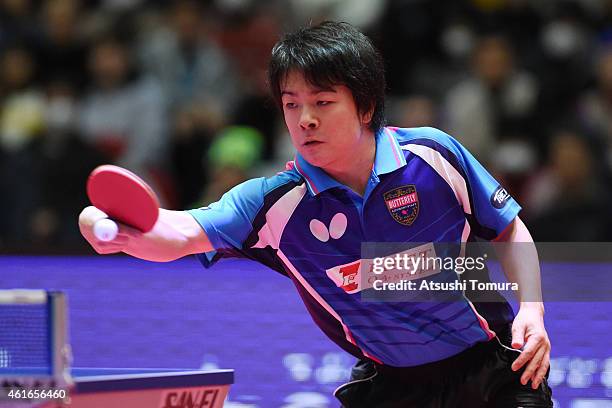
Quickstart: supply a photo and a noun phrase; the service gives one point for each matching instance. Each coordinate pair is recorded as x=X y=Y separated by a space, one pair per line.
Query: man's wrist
x=537 y=306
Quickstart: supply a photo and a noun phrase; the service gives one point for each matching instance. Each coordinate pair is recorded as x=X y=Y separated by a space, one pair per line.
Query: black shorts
x=479 y=377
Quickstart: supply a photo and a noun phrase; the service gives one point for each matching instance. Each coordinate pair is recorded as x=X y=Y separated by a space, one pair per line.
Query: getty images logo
x=337 y=228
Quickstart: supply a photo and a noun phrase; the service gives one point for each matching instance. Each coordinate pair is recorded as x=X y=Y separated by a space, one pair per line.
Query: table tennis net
x=32 y=332
x=25 y=343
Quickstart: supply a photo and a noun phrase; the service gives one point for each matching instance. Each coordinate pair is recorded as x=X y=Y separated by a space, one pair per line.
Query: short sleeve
x=488 y=207
x=230 y=222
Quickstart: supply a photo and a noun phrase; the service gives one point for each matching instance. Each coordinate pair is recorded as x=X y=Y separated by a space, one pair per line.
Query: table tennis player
x=355 y=180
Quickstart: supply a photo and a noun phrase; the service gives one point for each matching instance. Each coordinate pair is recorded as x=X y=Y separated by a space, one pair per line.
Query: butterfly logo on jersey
x=403 y=204
x=337 y=228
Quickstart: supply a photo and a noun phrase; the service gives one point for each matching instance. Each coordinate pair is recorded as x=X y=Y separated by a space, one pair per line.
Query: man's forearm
x=519 y=259
x=175 y=235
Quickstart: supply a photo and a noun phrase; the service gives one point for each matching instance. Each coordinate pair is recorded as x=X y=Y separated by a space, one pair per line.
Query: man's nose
x=308 y=120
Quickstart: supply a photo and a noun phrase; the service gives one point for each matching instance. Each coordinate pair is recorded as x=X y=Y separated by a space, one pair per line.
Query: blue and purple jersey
x=424 y=187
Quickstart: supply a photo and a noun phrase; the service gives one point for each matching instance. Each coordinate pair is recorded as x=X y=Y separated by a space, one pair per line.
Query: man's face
x=324 y=124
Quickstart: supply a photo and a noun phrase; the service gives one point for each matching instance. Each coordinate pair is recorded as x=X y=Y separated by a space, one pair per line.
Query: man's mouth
x=312 y=143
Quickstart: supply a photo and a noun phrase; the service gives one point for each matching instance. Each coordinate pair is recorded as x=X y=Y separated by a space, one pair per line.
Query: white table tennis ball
x=105 y=230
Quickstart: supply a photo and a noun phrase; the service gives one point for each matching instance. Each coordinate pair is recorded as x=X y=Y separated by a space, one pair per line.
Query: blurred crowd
x=176 y=91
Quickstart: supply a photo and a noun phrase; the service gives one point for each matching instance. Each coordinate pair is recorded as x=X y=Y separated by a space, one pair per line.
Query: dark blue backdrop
x=131 y=313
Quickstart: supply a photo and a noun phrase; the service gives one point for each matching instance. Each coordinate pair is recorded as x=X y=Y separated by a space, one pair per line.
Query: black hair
x=332 y=53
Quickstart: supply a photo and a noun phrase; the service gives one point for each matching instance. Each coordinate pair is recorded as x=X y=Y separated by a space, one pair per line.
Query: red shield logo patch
x=346 y=276
x=403 y=204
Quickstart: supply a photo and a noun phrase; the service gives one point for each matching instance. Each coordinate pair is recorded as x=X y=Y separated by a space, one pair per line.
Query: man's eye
x=290 y=105
x=323 y=103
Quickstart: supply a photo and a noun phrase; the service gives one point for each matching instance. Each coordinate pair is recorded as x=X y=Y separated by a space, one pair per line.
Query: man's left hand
x=528 y=333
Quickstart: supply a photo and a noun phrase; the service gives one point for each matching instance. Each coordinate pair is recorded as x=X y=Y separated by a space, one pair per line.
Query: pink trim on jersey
x=371 y=357
x=466 y=231
x=303 y=173
x=394 y=147
x=464 y=237
x=322 y=302
x=483 y=322
x=352 y=340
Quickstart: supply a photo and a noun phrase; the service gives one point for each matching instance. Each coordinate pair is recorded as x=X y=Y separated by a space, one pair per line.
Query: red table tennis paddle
x=124 y=197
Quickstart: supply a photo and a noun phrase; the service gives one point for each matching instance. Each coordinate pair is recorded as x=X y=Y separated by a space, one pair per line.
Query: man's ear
x=366 y=118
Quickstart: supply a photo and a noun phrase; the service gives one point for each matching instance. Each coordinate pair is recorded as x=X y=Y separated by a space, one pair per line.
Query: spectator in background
x=413 y=111
x=496 y=101
x=570 y=199
x=408 y=37
x=21 y=121
x=22 y=102
x=60 y=155
x=249 y=41
x=517 y=19
x=61 y=49
x=564 y=49
x=119 y=6
x=124 y=113
x=190 y=142
x=16 y=22
x=231 y=159
x=595 y=106
x=362 y=14
x=199 y=85
x=194 y=72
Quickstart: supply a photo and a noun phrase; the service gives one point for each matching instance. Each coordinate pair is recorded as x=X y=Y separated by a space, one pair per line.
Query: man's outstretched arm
x=175 y=235
x=519 y=258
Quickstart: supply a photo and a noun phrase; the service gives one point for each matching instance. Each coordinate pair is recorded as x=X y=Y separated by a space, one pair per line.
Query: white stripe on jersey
x=278 y=216
x=445 y=170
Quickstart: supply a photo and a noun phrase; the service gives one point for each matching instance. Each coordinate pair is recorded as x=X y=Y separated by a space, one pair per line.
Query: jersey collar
x=388 y=158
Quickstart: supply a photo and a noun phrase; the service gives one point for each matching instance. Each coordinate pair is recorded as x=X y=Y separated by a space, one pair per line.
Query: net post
x=61 y=356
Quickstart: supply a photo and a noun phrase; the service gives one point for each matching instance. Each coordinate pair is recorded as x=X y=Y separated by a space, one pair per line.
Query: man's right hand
x=174 y=235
